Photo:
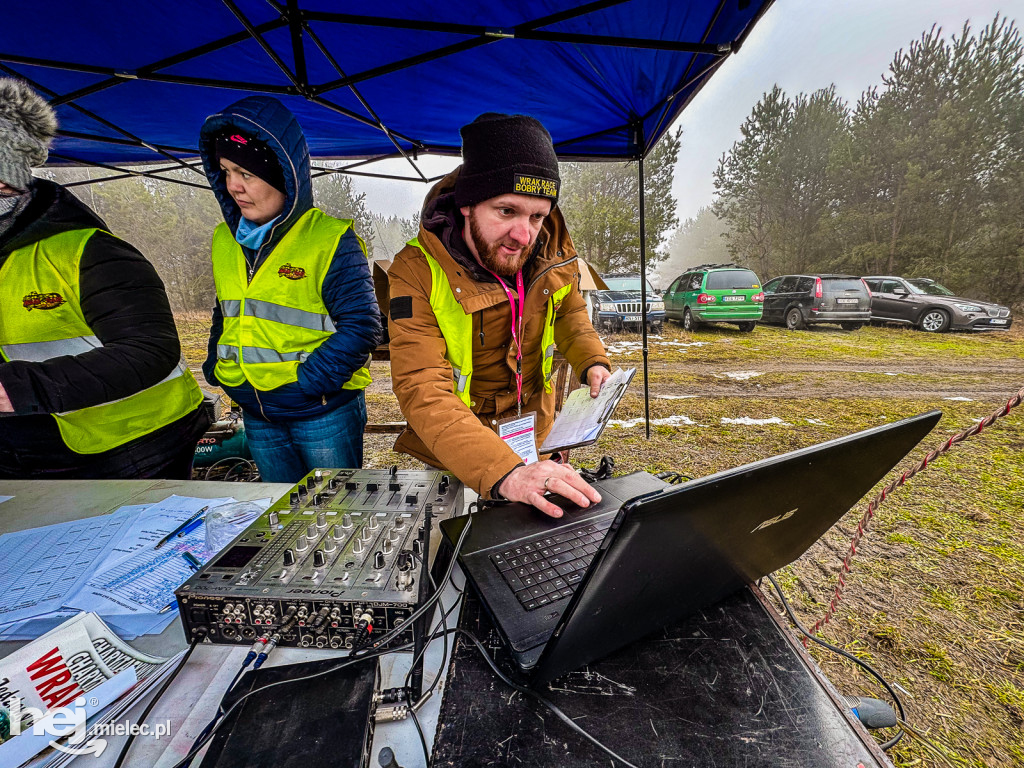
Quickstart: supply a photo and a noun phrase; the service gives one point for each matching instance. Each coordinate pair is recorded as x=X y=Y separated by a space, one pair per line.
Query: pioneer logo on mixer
x=327 y=592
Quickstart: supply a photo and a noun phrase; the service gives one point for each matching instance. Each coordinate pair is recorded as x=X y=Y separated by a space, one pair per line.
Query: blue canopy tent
x=133 y=80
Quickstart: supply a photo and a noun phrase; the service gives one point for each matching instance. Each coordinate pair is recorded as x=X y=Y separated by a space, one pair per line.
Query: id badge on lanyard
x=520 y=434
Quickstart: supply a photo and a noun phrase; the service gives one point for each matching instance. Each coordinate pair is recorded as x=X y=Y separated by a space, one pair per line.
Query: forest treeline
x=923 y=176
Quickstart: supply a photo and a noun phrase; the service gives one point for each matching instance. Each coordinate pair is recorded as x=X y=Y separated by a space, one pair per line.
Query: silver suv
x=932 y=307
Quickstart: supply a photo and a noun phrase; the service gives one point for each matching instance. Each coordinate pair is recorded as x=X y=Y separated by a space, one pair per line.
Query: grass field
x=935 y=600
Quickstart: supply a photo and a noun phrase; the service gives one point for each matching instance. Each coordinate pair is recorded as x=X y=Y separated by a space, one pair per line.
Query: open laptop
x=565 y=592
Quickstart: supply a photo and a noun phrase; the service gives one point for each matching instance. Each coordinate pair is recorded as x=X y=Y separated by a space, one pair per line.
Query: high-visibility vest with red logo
x=275 y=321
x=42 y=319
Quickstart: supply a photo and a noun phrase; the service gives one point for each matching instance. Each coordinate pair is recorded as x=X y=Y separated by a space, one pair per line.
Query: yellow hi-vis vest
x=457 y=328
x=275 y=321
x=42 y=319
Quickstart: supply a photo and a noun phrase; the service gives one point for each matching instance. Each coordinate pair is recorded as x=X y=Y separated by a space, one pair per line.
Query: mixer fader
x=343 y=544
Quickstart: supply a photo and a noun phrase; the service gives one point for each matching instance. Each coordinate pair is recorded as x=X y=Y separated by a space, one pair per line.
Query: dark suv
x=797 y=301
x=618 y=308
x=932 y=307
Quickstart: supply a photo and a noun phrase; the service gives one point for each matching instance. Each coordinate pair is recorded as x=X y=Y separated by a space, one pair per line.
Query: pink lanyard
x=517 y=338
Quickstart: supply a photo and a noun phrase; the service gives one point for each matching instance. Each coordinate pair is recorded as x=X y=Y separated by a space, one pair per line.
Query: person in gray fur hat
x=91 y=380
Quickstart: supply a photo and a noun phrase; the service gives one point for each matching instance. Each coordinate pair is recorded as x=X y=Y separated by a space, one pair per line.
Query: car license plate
x=998 y=322
x=734 y=298
x=846 y=301
x=631 y=319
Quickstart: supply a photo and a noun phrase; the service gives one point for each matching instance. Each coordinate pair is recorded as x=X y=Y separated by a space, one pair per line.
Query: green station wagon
x=715 y=293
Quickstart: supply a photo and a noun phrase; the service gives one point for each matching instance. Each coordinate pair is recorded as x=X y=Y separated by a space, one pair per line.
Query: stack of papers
x=64 y=687
x=583 y=418
x=107 y=565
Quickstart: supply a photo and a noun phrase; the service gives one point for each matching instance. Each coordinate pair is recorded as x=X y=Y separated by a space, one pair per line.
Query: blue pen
x=192 y=561
x=191 y=526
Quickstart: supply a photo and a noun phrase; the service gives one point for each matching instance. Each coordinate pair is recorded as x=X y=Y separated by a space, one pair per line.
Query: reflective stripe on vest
x=455 y=325
x=457 y=328
x=42 y=280
x=278 y=319
x=547 y=342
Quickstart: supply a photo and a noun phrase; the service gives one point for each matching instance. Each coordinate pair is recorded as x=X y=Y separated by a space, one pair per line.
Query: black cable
x=673 y=478
x=417 y=660
x=604 y=470
x=533 y=694
x=152 y=703
x=835 y=649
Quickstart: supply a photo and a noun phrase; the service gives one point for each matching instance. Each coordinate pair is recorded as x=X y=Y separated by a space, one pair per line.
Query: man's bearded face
x=504 y=230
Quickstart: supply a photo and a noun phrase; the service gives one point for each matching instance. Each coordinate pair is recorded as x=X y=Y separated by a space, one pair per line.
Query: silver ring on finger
x=546 y=481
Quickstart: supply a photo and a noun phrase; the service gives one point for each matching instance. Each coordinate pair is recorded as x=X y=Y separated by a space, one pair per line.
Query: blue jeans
x=287 y=451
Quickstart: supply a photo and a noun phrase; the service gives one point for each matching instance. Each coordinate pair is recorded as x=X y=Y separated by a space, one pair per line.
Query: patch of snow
x=674 y=397
x=620 y=347
x=815 y=421
x=755 y=422
x=739 y=375
x=671 y=421
x=961 y=399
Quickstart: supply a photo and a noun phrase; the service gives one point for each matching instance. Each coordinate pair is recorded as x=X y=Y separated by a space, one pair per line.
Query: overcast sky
x=801 y=45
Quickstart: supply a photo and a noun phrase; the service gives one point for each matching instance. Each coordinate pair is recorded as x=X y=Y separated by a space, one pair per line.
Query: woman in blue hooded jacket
x=296 y=317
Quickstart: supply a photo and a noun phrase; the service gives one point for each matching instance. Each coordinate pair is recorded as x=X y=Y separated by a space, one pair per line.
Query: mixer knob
x=289 y=557
x=337 y=532
x=392 y=535
x=293 y=499
x=321 y=520
x=358 y=547
x=311 y=531
x=366 y=533
x=318 y=499
x=318 y=475
x=388 y=547
x=346 y=521
x=301 y=545
x=301 y=490
x=400 y=523
x=330 y=545
x=417 y=547
x=373 y=523
x=319 y=558
x=378 y=560
x=334 y=482
x=272 y=519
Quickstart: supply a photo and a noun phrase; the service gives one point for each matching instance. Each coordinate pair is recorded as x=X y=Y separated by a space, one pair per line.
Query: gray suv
x=932 y=307
x=797 y=301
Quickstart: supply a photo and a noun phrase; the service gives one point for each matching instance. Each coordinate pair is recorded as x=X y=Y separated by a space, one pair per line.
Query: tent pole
x=643 y=293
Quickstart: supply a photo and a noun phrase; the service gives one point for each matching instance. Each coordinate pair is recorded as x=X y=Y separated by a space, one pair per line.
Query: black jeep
x=618 y=308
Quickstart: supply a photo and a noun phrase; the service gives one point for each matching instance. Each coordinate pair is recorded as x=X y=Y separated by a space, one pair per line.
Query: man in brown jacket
x=477 y=304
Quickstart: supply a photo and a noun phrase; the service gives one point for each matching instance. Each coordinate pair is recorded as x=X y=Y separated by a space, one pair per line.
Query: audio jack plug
x=364 y=628
x=267 y=650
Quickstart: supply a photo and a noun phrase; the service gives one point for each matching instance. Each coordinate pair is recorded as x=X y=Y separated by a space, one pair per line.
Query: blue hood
x=268 y=120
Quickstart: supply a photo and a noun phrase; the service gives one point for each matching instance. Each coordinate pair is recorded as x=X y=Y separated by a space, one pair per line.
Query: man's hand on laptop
x=529 y=484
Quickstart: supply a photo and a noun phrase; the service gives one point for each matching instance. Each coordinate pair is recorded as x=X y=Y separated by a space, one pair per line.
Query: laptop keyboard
x=548 y=568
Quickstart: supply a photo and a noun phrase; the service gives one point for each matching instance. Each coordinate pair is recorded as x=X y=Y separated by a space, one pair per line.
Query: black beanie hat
x=506 y=153
x=251 y=154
